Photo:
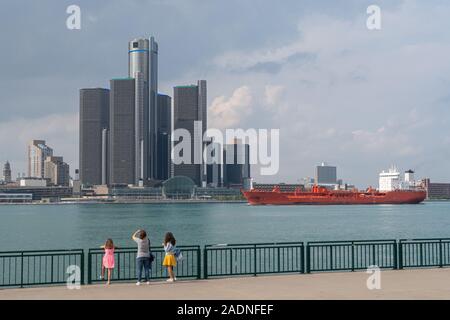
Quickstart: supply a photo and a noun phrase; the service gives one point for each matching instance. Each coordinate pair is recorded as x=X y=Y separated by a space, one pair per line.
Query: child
x=143 y=255
x=108 y=259
x=170 y=260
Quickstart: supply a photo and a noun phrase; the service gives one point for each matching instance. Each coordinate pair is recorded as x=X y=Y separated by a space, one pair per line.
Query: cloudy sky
x=338 y=92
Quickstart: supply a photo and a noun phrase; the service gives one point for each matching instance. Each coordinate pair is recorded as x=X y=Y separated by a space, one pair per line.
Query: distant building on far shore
x=38 y=151
x=56 y=171
x=7 y=172
x=94 y=126
x=436 y=190
x=326 y=175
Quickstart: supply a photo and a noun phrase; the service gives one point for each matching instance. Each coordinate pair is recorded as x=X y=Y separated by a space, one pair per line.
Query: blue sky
x=339 y=93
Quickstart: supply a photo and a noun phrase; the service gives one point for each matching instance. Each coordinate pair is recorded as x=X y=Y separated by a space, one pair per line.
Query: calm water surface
x=28 y=227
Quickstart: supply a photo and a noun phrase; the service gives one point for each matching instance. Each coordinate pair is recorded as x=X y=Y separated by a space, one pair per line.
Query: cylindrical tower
x=138 y=58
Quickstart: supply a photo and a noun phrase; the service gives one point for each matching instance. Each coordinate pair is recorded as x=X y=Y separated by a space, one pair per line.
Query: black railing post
x=82 y=266
x=205 y=263
x=199 y=262
x=394 y=253
x=89 y=279
x=441 y=263
x=308 y=258
x=400 y=255
x=353 y=256
x=21 y=269
x=254 y=257
x=302 y=258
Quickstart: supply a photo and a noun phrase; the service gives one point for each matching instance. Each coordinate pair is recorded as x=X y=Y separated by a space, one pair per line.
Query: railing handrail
x=134 y=249
x=52 y=251
x=347 y=242
x=252 y=245
x=423 y=240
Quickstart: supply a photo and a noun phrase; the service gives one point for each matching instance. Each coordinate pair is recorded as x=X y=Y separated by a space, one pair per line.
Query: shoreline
x=156 y=201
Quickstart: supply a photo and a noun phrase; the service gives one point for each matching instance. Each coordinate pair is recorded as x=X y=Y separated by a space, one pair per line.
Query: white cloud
x=228 y=112
x=273 y=94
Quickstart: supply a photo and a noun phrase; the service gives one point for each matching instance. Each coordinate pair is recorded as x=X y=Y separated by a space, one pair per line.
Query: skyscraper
x=236 y=167
x=143 y=66
x=38 y=151
x=57 y=171
x=153 y=85
x=7 y=172
x=138 y=69
x=94 y=124
x=190 y=106
x=164 y=125
x=325 y=174
x=122 y=142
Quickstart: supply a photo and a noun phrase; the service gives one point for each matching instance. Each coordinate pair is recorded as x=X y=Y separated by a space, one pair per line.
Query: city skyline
x=304 y=76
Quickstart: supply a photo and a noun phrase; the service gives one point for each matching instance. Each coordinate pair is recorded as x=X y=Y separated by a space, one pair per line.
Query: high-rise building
x=189 y=107
x=236 y=166
x=7 y=172
x=214 y=164
x=164 y=125
x=38 y=151
x=94 y=124
x=122 y=142
x=153 y=105
x=143 y=67
x=326 y=175
x=57 y=171
x=138 y=69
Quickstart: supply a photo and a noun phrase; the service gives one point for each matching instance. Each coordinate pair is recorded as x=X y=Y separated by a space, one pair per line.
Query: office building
x=94 y=125
x=326 y=175
x=38 y=151
x=56 y=171
x=7 y=172
x=236 y=166
x=143 y=67
x=164 y=125
x=138 y=69
x=189 y=107
x=214 y=156
x=122 y=152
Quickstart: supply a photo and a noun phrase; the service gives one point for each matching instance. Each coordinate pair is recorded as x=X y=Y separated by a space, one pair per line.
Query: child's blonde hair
x=109 y=244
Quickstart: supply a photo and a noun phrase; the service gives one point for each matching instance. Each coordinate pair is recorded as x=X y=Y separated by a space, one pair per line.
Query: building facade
x=436 y=190
x=122 y=165
x=190 y=106
x=326 y=175
x=94 y=126
x=164 y=125
x=56 y=171
x=236 y=166
x=38 y=151
x=7 y=172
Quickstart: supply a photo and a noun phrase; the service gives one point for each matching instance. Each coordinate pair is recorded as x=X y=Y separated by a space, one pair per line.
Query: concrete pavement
x=400 y=284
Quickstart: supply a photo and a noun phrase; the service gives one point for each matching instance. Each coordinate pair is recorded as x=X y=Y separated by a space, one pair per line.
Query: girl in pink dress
x=108 y=259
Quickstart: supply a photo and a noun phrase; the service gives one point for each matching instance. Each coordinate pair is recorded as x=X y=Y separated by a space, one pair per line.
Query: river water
x=36 y=227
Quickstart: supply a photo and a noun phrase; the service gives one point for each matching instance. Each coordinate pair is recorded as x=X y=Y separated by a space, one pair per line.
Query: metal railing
x=417 y=253
x=47 y=267
x=253 y=259
x=125 y=264
x=42 y=267
x=350 y=255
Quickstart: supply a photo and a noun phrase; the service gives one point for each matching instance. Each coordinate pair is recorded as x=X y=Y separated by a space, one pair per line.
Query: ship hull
x=255 y=197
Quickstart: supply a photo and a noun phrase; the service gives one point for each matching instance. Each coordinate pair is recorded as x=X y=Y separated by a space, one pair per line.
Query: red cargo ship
x=322 y=196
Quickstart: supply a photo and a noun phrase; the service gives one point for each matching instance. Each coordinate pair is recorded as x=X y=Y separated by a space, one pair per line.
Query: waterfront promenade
x=398 y=284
